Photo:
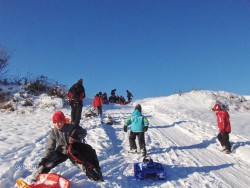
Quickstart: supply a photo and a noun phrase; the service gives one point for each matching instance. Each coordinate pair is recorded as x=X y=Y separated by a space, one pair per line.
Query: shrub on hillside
x=7 y=106
x=42 y=84
x=20 y=91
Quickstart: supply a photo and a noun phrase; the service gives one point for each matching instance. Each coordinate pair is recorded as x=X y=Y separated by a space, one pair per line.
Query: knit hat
x=58 y=116
x=217 y=107
x=138 y=107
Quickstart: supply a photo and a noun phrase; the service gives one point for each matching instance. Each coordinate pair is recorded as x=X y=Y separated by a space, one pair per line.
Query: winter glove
x=43 y=162
x=72 y=140
x=125 y=128
x=145 y=128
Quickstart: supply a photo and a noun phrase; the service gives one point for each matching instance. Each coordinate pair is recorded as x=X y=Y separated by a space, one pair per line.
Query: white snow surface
x=181 y=136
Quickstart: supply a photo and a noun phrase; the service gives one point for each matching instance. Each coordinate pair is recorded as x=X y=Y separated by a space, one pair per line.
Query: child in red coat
x=224 y=127
x=97 y=103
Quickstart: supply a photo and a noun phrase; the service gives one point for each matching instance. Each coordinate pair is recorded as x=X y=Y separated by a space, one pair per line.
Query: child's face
x=58 y=125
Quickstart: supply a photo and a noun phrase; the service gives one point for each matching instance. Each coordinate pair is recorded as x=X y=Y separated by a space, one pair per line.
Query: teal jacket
x=136 y=122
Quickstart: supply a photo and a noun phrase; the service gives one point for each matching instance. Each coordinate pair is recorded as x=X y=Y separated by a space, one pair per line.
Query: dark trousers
x=224 y=140
x=55 y=160
x=51 y=162
x=84 y=152
x=99 y=110
x=141 y=139
x=76 y=112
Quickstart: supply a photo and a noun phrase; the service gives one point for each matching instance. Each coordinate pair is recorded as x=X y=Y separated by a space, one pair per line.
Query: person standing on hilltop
x=129 y=95
x=76 y=95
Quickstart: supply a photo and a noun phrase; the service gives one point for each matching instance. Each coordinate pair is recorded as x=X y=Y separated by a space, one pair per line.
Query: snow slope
x=181 y=136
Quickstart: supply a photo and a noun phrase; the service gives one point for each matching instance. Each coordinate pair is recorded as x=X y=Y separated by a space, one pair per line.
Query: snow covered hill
x=181 y=136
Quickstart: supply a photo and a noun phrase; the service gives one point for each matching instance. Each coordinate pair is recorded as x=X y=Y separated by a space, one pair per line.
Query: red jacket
x=223 y=121
x=97 y=101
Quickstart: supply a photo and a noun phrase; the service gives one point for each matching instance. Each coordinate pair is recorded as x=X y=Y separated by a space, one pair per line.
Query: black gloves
x=125 y=128
x=43 y=162
x=145 y=128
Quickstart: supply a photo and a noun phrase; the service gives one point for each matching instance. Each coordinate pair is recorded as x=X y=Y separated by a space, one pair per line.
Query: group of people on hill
x=68 y=139
x=120 y=99
x=113 y=98
x=76 y=95
x=101 y=98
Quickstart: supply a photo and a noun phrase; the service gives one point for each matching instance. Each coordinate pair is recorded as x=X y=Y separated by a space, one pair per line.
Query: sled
x=109 y=121
x=46 y=181
x=91 y=113
x=148 y=169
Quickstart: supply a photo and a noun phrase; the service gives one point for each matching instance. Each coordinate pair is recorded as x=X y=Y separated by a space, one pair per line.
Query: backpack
x=76 y=91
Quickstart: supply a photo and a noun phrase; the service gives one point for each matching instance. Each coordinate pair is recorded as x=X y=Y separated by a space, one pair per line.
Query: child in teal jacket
x=138 y=125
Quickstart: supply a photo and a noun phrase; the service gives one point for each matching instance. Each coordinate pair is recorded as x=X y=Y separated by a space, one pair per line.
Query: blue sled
x=148 y=169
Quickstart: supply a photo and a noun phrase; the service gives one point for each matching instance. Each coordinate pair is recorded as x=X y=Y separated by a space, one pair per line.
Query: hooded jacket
x=97 y=101
x=223 y=121
x=136 y=121
x=58 y=139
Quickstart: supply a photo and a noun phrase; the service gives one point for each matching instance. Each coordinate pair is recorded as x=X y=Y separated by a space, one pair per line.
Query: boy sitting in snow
x=61 y=145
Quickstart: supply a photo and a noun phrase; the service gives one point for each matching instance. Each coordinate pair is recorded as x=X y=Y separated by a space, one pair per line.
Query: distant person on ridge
x=113 y=98
x=67 y=141
x=76 y=95
x=112 y=93
x=122 y=100
x=224 y=127
x=138 y=125
x=129 y=95
x=105 y=98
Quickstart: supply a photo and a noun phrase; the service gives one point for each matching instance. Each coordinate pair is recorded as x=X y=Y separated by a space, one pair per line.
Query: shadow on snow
x=236 y=145
x=168 y=126
x=175 y=172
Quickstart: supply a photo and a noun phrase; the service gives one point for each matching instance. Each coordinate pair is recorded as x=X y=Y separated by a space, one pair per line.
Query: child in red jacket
x=224 y=128
x=97 y=103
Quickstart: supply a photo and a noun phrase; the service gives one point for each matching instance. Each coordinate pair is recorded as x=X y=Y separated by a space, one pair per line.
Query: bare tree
x=4 y=58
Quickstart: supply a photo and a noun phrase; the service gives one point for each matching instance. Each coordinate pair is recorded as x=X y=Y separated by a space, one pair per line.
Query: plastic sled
x=46 y=181
x=91 y=113
x=148 y=169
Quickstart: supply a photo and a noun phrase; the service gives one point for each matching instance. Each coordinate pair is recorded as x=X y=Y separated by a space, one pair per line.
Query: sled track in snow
x=195 y=152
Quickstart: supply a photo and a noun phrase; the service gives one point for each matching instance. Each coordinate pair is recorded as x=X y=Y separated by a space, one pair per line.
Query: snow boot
x=94 y=174
x=223 y=148
x=132 y=151
x=226 y=151
x=143 y=152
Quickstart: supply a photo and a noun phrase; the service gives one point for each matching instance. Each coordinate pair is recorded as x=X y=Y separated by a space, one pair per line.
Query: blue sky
x=150 y=47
